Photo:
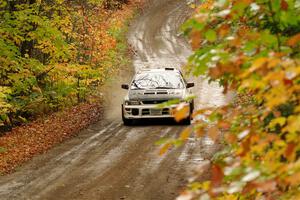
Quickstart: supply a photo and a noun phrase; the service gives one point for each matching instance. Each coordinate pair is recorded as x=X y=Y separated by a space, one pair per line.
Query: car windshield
x=157 y=80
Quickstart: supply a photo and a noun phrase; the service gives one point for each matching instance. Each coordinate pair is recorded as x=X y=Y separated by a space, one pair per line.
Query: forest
x=54 y=53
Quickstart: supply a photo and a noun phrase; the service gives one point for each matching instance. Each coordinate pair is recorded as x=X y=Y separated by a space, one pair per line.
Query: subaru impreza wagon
x=152 y=87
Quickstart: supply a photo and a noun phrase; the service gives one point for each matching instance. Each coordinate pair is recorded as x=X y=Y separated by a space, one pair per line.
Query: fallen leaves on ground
x=24 y=142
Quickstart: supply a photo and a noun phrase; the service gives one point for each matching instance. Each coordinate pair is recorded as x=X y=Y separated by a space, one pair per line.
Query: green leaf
x=3 y=150
x=211 y=35
x=162 y=141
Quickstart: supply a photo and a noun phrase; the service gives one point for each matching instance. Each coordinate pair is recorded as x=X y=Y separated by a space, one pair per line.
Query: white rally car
x=151 y=87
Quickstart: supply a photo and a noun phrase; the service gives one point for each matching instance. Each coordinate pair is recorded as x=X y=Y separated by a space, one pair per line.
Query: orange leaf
x=248 y=188
x=247 y=2
x=274 y=62
x=267 y=186
x=258 y=63
x=293 y=180
x=245 y=147
x=181 y=112
x=196 y=39
x=228 y=67
x=231 y=138
x=217 y=175
x=224 y=30
x=294 y=40
x=213 y=133
x=224 y=125
x=237 y=42
x=215 y=72
x=290 y=151
x=200 y=132
x=243 y=30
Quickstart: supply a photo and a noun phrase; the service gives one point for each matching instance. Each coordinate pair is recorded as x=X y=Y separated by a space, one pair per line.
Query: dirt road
x=109 y=161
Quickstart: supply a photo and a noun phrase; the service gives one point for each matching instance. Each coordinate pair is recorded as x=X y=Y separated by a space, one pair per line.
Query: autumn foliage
x=250 y=47
x=54 y=54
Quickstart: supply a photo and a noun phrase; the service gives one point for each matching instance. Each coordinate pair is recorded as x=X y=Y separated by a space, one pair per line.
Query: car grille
x=155 y=111
x=164 y=111
x=149 y=93
x=154 y=101
x=155 y=92
x=161 y=92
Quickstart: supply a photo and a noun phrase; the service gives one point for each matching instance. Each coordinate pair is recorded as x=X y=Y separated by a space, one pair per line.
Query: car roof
x=167 y=69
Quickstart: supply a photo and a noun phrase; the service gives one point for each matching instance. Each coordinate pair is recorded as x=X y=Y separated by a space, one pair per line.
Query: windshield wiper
x=135 y=85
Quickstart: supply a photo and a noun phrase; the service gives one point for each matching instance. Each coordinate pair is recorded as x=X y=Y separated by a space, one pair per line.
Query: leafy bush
x=251 y=47
x=53 y=54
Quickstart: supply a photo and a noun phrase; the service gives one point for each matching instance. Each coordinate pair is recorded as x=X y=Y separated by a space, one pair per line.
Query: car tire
x=192 y=107
x=186 y=121
x=126 y=122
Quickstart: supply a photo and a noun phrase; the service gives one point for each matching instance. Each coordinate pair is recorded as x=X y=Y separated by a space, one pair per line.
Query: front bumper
x=148 y=111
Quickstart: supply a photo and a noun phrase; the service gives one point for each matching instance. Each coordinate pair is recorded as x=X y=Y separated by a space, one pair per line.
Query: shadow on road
x=155 y=122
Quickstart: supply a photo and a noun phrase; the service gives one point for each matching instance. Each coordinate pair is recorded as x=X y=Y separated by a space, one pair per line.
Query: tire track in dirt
x=37 y=177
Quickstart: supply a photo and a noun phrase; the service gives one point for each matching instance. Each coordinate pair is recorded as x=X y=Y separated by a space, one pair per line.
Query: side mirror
x=189 y=85
x=125 y=86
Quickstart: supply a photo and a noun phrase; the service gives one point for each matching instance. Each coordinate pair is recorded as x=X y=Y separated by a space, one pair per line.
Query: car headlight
x=132 y=102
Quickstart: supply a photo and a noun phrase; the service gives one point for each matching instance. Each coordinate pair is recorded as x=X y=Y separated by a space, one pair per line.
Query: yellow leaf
x=193 y=5
x=206 y=5
x=297 y=109
x=185 y=133
x=275 y=76
x=164 y=149
x=292 y=72
x=280 y=121
x=276 y=96
x=293 y=124
x=253 y=84
x=273 y=62
x=258 y=63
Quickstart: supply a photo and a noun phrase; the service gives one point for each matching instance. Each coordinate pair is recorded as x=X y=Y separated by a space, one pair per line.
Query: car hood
x=156 y=94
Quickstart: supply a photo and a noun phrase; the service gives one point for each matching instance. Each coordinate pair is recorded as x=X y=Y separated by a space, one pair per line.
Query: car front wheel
x=186 y=121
